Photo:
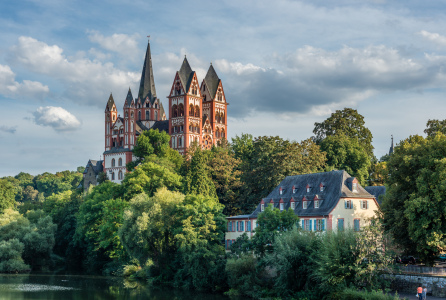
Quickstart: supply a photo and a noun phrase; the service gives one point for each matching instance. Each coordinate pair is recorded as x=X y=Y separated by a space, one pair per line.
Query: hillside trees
x=414 y=206
x=7 y=195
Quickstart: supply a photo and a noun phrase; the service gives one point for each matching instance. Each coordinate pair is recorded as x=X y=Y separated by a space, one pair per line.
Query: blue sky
x=284 y=65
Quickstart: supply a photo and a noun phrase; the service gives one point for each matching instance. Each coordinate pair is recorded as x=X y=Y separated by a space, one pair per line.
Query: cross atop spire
x=147 y=84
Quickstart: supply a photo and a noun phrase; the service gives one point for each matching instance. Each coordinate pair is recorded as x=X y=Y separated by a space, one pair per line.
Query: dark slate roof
x=141 y=125
x=186 y=74
x=377 y=191
x=239 y=217
x=336 y=184
x=110 y=103
x=147 y=84
x=96 y=165
x=161 y=126
x=128 y=99
x=117 y=150
x=212 y=81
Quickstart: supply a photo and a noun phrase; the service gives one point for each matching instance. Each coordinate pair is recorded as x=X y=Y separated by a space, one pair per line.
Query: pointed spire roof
x=110 y=103
x=128 y=99
x=147 y=84
x=186 y=74
x=391 y=147
x=212 y=81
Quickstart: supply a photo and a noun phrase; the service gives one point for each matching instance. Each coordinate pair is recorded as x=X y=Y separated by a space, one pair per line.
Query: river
x=67 y=287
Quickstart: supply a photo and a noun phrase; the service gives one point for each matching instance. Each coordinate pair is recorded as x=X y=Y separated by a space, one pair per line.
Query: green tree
x=11 y=257
x=226 y=175
x=30 y=194
x=346 y=153
x=348 y=122
x=271 y=160
x=415 y=203
x=380 y=174
x=243 y=146
x=197 y=173
x=7 y=195
x=434 y=126
x=151 y=175
x=272 y=222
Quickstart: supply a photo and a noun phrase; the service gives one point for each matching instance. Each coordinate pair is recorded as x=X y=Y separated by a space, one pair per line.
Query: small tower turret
x=111 y=114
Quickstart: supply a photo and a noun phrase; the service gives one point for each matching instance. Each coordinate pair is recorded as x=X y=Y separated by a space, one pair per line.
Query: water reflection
x=19 y=287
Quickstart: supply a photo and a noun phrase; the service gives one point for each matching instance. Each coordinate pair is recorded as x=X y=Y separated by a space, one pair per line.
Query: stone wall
x=436 y=286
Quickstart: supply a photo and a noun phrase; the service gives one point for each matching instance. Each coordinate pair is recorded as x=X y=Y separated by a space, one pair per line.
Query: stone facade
x=436 y=286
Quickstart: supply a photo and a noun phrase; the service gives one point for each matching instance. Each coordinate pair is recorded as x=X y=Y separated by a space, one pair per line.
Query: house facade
x=323 y=201
x=91 y=173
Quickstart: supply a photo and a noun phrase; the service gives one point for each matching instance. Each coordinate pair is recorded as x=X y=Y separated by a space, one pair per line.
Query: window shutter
x=303 y=225
x=323 y=224
x=345 y=204
x=311 y=226
x=241 y=226
x=315 y=226
x=366 y=204
x=233 y=226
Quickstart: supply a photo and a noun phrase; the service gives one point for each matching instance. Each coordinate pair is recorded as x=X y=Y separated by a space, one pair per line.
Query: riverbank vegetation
x=166 y=222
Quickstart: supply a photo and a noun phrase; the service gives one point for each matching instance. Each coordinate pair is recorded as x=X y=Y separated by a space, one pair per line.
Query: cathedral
x=197 y=113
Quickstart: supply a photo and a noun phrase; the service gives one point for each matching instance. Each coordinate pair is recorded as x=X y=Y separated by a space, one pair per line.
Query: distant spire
x=110 y=102
x=212 y=81
x=128 y=99
x=391 y=146
x=185 y=74
x=147 y=84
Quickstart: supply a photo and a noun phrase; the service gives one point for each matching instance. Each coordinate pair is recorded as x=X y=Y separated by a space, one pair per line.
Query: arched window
x=131 y=114
x=113 y=161
x=222 y=133
x=126 y=114
x=113 y=176
x=120 y=175
x=217 y=133
x=223 y=117
x=174 y=111
x=139 y=115
x=147 y=115
x=219 y=96
x=120 y=162
x=148 y=104
x=156 y=115
x=180 y=110
x=177 y=89
x=197 y=111
x=191 y=110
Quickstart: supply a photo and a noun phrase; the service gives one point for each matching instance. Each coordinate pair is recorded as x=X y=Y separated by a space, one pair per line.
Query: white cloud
x=26 y=89
x=315 y=80
x=434 y=37
x=56 y=117
x=85 y=81
x=124 y=44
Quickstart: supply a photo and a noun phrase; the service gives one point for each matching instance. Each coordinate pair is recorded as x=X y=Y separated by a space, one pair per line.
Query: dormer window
x=292 y=204
x=281 y=206
x=308 y=188
x=316 y=203
x=354 y=187
x=321 y=187
x=280 y=191
x=304 y=204
x=294 y=189
x=262 y=207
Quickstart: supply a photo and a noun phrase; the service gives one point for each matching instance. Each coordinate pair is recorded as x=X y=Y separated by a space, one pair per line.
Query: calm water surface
x=67 y=287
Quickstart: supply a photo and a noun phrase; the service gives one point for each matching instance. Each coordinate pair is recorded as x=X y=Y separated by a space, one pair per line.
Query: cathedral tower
x=129 y=121
x=111 y=114
x=185 y=105
x=214 y=110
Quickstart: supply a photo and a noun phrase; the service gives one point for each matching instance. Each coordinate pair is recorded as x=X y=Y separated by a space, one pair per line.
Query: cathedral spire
x=110 y=103
x=185 y=74
x=391 y=147
x=212 y=81
x=128 y=99
x=147 y=84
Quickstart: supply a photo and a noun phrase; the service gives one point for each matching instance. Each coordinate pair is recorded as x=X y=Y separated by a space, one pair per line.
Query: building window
x=348 y=204
x=180 y=142
x=233 y=226
x=294 y=190
x=230 y=226
x=197 y=111
x=139 y=116
x=120 y=175
x=174 y=111
x=308 y=188
x=241 y=227
x=304 y=204
x=356 y=224
x=364 y=204
x=322 y=188
x=306 y=225
x=355 y=187
x=120 y=162
x=262 y=207
x=113 y=176
x=147 y=115
x=248 y=226
x=113 y=162
x=316 y=203
x=293 y=205
x=280 y=191
x=281 y=206
x=320 y=225
x=341 y=224
x=156 y=115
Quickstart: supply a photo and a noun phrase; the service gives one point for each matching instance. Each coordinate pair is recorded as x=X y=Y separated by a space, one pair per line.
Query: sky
x=284 y=65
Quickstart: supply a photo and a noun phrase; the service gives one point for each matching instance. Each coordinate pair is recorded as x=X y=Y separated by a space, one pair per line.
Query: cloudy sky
x=284 y=65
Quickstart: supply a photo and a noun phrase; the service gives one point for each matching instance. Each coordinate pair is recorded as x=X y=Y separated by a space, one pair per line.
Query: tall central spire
x=147 y=84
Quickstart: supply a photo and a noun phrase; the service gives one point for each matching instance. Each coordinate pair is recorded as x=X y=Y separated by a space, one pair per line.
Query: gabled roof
x=186 y=74
x=377 y=192
x=110 y=103
x=96 y=166
x=212 y=81
x=336 y=186
x=161 y=125
x=147 y=84
x=128 y=99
